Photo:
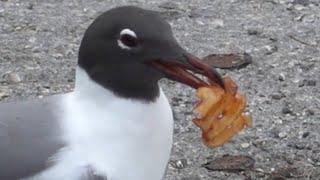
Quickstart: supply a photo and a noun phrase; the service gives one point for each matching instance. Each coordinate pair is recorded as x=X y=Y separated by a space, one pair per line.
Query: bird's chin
x=185 y=70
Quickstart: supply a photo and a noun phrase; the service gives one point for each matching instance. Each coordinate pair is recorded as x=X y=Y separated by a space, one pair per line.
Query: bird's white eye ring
x=128 y=39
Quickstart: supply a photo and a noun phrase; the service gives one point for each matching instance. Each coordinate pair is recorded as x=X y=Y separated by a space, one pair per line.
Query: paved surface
x=38 y=52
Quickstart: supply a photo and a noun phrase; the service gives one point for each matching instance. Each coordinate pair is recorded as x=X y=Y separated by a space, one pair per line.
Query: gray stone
x=254 y=32
x=231 y=163
x=282 y=135
x=305 y=134
x=282 y=77
x=13 y=78
x=204 y=13
x=309 y=18
x=217 y=23
x=270 y=49
x=245 y=145
x=302 y=2
x=169 y=5
x=286 y=110
x=301 y=83
x=310 y=112
x=192 y=178
x=179 y=164
x=311 y=82
x=277 y=96
x=299 y=7
x=3 y=93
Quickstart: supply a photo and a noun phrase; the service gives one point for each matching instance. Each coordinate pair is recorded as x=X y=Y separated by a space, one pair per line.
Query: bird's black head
x=128 y=49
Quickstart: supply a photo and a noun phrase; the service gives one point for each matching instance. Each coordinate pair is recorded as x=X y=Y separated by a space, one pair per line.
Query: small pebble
x=253 y=32
x=259 y=170
x=279 y=121
x=299 y=7
x=45 y=91
x=169 y=5
x=301 y=83
x=272 y=169
x=217 y=23
x=286 y=110
x=18 y=28
x=32 y=39
x=282 y=77
x=302 y=2
x=191 y=178
x=310 y=112
x=58 y=55
x=309 y=18
x=3 y=94
x=13 y=78
x=30 y=6
x=270 y=49
x=282 y=135
x=179 y=164
x=305 y=134
x=311 y=83
x=277 y=96
x=245 y=145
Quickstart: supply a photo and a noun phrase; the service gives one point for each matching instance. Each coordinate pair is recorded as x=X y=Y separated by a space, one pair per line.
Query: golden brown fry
x=232 y=112
x=209 y=97
x=220 y=113
x=227 y=133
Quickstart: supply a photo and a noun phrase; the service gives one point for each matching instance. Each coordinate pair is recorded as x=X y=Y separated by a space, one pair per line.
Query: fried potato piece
x=220 y=113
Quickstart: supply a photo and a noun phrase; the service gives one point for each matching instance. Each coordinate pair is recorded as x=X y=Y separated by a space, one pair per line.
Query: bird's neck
x=124 y=85
x=115 y=135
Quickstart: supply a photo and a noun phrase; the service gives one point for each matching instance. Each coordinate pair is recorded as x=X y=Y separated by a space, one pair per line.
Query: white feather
x=123 y=139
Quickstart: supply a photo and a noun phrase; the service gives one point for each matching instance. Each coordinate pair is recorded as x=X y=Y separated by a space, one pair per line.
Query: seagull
x=117 y=124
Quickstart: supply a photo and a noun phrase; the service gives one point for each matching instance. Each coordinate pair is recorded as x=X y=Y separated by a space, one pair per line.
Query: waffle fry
x=220 y=113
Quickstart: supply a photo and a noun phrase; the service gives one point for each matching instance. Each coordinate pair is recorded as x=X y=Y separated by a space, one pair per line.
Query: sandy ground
x=38 y=52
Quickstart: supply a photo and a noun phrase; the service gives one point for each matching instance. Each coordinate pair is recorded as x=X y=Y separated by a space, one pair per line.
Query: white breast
x=121 y=138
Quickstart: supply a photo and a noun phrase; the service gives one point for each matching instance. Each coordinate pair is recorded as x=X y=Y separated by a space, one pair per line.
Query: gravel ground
x=39 y=41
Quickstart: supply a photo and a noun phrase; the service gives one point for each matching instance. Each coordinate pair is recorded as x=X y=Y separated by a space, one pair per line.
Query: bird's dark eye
x=129 y=40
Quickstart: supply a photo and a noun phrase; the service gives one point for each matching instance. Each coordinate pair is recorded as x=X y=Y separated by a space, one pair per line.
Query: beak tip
x=212 y=75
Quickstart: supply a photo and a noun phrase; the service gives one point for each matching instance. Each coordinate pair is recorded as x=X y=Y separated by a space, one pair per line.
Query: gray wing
x=29 y=135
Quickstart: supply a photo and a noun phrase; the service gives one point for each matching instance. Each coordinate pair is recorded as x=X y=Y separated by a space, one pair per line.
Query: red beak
x=184 y=71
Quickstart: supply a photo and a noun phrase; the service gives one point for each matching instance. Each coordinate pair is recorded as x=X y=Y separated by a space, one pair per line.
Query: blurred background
x=39 y=42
